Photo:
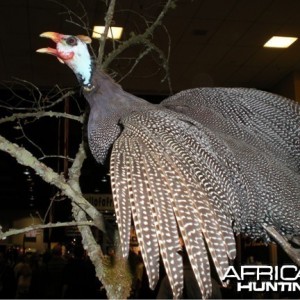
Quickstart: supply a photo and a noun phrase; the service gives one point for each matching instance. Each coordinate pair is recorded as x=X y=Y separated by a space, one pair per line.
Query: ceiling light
x=113 y=32
x=280 y=42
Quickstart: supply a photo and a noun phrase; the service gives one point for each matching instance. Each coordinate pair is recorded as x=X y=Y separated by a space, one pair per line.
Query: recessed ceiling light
x=280 y=41
x=113 y=32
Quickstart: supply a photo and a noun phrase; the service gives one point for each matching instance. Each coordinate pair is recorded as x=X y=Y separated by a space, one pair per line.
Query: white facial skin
x=73 y=51
x=80 y=59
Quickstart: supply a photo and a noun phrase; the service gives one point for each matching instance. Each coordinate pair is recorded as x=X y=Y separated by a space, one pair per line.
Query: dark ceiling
x=213 y=43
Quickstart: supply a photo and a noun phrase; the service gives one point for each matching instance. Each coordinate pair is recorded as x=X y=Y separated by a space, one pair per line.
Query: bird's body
x=105 y=115
x=203 y=164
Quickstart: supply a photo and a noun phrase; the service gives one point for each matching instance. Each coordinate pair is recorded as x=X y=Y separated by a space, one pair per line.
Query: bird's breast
x=101 y=137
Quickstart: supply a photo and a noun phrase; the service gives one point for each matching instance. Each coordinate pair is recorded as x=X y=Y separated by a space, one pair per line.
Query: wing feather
x=120 y=192
x=140 y=206
x=166 y=226
x=200 y=173
x=165 y=164
x=195 y=212
x=190 y=226
x=204 y=167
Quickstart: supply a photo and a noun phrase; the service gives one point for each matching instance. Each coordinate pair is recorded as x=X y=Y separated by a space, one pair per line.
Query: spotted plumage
x=203 y=164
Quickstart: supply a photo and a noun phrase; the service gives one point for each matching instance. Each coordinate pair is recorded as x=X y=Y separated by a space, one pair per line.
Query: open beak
x=47 y=50
x=55 y=37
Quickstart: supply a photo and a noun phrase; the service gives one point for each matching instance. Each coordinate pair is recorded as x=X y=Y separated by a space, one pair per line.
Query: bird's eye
x=72 y=41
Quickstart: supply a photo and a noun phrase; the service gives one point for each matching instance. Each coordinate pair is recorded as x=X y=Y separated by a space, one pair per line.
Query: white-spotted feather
x=120 y=194
x=176 y=197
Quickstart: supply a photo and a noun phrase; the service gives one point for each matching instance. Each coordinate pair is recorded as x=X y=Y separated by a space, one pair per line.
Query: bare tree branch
x=25 y=158
x=74 y=18
x=136 y=62
x=103 y=37
x=115 y=277
x=36 y=106
x=12 y=231
x=140 y=38
x=40 y=114
x=29 y=140
x=55 y=157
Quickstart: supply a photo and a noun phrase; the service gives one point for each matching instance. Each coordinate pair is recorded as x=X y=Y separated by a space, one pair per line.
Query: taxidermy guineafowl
x=203 y=164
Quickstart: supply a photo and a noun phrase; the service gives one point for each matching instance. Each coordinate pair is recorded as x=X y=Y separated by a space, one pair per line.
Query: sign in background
x=102 y=202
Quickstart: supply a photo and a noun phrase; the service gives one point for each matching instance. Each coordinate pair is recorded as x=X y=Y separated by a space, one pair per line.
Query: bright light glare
x=113 y=32
x=280 y=42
